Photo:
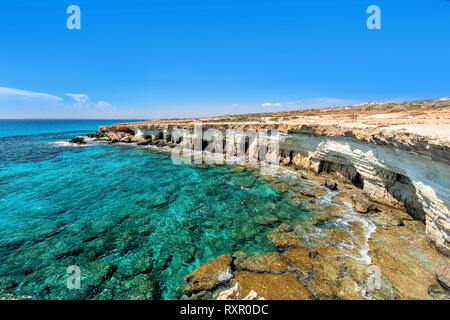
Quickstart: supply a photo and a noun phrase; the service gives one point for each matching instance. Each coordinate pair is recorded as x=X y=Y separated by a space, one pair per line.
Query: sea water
x=133 y=222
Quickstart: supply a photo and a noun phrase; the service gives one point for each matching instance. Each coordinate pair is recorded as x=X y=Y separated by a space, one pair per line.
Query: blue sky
x=173 y=58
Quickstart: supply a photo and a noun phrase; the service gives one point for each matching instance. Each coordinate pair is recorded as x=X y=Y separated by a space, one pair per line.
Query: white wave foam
x=368 y=227
x=65 y=143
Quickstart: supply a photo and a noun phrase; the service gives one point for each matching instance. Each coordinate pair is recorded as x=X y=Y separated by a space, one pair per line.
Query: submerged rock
x=265 y=219
x=284 y=237
x=271 y=262
x=304 y=194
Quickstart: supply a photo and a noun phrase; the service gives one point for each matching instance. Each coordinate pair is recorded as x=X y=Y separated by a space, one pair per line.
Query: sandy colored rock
x=282 y=238
x=358 y=201
x=300 y=258
x=443 y=275
x=271 y=262
x=406 y=259
x=272 y=286
x=209 y=275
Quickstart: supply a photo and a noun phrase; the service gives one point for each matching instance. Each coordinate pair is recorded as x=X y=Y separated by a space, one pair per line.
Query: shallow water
x=133 y=222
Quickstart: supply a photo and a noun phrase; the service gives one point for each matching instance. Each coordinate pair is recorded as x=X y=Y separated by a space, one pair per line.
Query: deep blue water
x=133 y=222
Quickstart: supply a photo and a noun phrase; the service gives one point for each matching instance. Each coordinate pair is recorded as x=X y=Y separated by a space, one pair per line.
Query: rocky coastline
x=397 y=180
x=404 y=171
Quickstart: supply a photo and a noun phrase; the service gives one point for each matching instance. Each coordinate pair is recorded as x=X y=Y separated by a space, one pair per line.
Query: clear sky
x=171 y=58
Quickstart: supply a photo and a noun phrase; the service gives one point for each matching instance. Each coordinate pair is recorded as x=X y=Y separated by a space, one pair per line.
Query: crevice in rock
x=404 y=191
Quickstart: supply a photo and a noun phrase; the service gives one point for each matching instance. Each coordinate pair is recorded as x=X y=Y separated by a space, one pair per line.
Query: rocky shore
x=368 y=251
x=395 y=177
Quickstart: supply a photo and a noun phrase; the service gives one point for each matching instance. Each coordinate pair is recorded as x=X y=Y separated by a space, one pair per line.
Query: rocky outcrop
x=402 y=267
x=208 y=276
x=284 y=237
x=443 y=275
x=387 y=175
x=399 y=169
x=78 y=140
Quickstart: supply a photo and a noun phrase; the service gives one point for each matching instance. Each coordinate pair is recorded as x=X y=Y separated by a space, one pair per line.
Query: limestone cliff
x=400 y=169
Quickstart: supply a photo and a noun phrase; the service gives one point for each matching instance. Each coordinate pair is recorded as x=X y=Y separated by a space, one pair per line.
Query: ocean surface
x=130 y=219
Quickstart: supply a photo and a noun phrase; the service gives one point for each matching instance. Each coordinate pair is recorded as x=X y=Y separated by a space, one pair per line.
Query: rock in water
x=331 y=185
x=443 y=275
x=143 y=142
x=78 y=140
x=284 y=237
x=209 y=275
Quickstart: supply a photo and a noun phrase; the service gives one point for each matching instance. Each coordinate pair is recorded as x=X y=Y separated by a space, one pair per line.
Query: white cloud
x=311 y=103
x=83 y=101
x=324 y=103
x=16 y=103
x=270 y=104
x=103 y=104
x=79 y=98
x=16 y=93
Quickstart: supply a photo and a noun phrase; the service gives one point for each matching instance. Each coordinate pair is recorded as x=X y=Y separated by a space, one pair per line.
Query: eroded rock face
x=209 y=275
x=443 y=275
x=402 y=170
x=385 y=173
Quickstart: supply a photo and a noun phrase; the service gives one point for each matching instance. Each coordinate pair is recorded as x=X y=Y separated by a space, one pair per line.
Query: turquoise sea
x=131 y=220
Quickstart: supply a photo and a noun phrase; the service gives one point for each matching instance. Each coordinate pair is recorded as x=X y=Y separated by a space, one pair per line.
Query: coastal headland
x=388 y=163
